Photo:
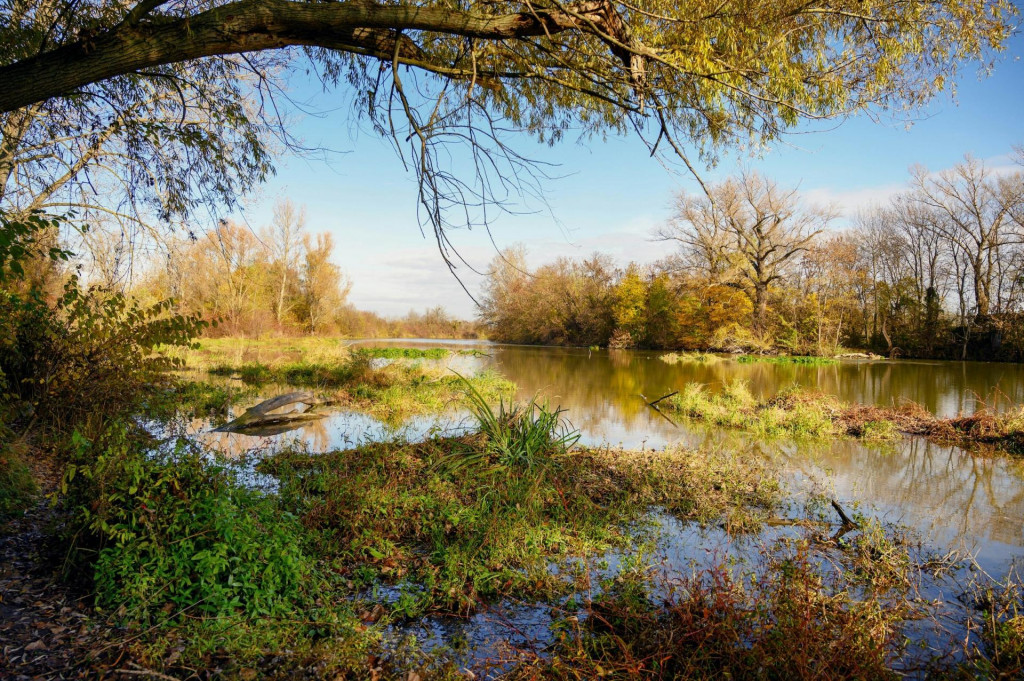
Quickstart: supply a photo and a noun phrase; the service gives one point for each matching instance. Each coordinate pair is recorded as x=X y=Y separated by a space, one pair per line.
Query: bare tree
x=285 y=240
x=973 y=208
x=747 y=231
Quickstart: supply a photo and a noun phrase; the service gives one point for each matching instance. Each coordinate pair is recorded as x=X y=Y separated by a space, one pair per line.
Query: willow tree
x=134 y=154
x=436 y=77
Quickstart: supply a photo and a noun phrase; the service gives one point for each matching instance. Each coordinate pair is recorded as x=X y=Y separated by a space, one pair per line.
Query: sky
x=608 y=195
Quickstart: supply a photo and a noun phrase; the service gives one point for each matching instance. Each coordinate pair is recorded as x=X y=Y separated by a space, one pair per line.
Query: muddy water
x=953 y=497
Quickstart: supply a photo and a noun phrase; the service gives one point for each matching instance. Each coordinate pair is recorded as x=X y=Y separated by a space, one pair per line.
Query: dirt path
x=46 y=627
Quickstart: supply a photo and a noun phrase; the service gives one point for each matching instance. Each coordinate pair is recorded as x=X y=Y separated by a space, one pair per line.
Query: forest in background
x=275 y=281
x=936 y=272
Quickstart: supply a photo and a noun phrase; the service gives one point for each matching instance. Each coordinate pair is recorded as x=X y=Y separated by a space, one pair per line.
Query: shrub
x=88 y=352
x=166 y=531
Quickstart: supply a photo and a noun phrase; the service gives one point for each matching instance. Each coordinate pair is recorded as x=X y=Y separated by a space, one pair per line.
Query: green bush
x=88 y=352
x=168 y=532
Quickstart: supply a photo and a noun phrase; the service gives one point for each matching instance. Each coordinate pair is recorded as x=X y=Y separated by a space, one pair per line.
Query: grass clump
x=687 y=357
x=517 y=435
x=736 y=407
x=797 y=413
x=787 y=359
x=790 y=413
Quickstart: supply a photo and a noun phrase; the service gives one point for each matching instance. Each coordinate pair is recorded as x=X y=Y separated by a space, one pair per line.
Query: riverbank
x=390 y=384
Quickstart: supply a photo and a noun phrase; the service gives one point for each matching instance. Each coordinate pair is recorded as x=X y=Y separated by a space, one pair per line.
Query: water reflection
x=340 y=430
x=953 y=497
x=592 y=383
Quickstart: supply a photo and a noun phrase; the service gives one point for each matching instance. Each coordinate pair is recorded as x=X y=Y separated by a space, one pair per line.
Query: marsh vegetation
x=295 y=560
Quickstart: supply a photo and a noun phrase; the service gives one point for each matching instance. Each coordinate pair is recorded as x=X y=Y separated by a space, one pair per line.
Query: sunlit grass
x=787 y=359
x=688 y=357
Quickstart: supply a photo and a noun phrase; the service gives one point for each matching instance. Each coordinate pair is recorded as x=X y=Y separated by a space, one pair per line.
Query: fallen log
x=262 y=415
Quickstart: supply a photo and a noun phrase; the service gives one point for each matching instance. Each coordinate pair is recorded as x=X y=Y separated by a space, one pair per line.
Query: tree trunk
x=760 y=306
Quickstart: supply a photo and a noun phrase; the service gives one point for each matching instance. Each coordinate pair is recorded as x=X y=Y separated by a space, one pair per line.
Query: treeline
x=279 y=280
x=936 y=272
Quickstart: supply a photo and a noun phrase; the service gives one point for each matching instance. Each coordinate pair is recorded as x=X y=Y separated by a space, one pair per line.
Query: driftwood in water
x=847 y=525
x=654 y=405
x=261 y=416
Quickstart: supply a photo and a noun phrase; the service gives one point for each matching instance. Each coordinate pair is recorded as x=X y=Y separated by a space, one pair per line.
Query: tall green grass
x=785 y=359
x=523 y=436
x=404 y=353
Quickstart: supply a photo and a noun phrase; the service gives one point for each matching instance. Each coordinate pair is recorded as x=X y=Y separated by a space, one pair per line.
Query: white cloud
x=394 y=283
x=851 y=201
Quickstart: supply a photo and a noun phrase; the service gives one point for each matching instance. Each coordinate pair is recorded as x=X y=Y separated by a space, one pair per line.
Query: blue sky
x=610 y=195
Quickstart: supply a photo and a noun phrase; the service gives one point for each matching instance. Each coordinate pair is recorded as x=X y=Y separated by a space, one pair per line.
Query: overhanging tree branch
x=254 y=25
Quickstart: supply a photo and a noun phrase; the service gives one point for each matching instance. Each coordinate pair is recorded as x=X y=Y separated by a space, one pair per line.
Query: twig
x=654 y=405
x=146 y=672
x=663 y=397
